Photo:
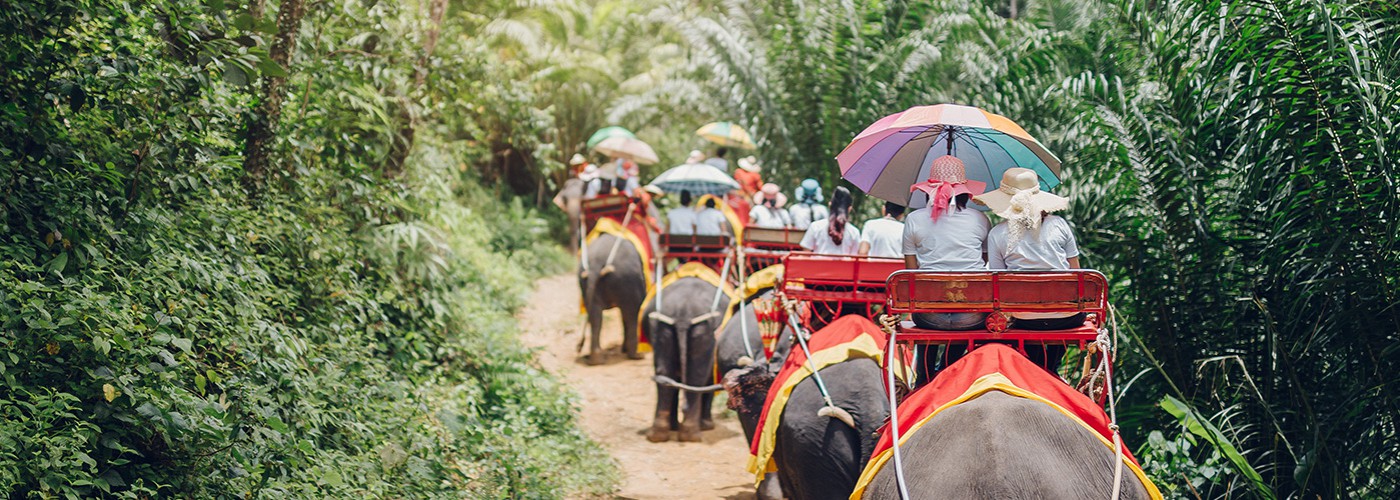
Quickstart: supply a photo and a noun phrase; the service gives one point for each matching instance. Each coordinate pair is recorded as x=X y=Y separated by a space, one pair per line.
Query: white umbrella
x=630 y=148
x=698 y=178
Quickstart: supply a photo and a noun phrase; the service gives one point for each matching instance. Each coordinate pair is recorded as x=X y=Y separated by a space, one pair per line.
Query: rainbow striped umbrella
x=896 y=151
x=727 y=134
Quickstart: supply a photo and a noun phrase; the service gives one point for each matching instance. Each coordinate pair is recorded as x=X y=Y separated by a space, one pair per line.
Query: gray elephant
x=732 y=353
x=606 y=284
x=681 y=325
x=1002 y=446
x=570 y=200
x=817 y=456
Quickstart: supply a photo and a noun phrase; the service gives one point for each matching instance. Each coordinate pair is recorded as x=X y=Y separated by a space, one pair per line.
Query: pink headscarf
x=947 y=177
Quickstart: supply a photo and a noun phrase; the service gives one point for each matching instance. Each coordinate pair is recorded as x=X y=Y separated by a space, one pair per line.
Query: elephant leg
x=595 y=330
x=698 y=368
x=662 y=424
x=769 y=489
x=707 y=422
x=629 y=332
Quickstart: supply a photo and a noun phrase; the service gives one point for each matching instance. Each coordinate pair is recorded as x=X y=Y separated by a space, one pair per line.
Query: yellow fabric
x=994 y=382
x=863 y=346
x=689 y=270
x=768 y=277
x=735 y=222
x=607 y=225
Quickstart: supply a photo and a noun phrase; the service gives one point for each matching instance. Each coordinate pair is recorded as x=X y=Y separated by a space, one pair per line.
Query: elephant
x=570 y=200
x=1001 y=446
x=818 y=456
x=731 y=354
x=620 y=283
x=681 y=326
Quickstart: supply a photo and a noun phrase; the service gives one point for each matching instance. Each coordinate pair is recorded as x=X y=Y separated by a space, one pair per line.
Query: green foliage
x=346 y=332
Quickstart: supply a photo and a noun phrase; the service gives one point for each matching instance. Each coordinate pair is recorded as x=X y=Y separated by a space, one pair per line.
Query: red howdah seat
x=612 y=205
x=709 y=250
x=832 y=283
x=764 y=246
x=999 y=293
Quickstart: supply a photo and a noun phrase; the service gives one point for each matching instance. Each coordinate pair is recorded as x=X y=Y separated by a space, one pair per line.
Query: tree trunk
x=262 y=127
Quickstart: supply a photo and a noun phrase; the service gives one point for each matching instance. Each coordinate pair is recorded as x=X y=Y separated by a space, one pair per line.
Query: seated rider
x=1030 y=238
x=947 y=235
x=809 y=205
x=710 y=221
x=833 y=235
x=884 y=237
x=767 y=211
x=681 y=220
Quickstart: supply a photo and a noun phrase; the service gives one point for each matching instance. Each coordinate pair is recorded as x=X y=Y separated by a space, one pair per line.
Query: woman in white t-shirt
x=681 y=220
x=947 y=236
x=834 y=235
x=1031 y=239
x=767 y=211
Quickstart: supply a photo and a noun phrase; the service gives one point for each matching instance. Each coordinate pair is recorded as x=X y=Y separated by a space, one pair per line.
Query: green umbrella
x=609 y=132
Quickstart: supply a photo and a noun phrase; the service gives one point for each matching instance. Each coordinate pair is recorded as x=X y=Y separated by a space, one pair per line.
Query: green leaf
x=1199 y=426
x=199 y=383
x=183 y=344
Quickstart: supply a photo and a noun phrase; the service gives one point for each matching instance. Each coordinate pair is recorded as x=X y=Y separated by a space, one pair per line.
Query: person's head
x=721 y=151
x=809 y=192
x=770 y=196
x=710 y=203
x=947 y=185
x=750 y=164
x=893 y=209
x=685 y=198
x=840 y=207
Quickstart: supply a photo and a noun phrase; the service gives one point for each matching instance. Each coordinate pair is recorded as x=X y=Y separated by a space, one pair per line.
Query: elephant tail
x=669 y=382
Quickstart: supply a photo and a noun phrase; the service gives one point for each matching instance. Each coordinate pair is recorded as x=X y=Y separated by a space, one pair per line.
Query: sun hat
x=589 y=173
x=655 y=191
x=1020 y=193
x=770 y=190
x=1020 y=201
x=809 y=191
x=695 y=156
x=577 y=159
x=947 y=178
x=750 y=163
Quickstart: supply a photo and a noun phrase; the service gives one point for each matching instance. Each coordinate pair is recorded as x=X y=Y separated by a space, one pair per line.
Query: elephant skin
x=682 y=336
x=727 y=357
x=818 y=457
x=1000 y=446
x=623 y=287
x=570 y=200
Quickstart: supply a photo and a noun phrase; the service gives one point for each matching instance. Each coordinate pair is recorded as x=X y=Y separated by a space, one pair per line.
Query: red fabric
x=843 y=330
x=749 y=182
x=995 y=358
x=741 y=207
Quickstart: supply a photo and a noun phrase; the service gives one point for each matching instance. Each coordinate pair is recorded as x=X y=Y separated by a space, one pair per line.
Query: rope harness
x=830 y=410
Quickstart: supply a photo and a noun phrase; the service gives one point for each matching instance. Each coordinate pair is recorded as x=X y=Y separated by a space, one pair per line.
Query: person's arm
x=1071 y=246
x=809 y=239
x=910 y=245
x=1074 y=263
x=864 y=249
x=911 y=262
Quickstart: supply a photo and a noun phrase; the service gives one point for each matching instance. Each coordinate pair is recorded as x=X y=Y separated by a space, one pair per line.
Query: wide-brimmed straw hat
x=770 y=191
x=947 y=178
x=589 y=173
x=1020 y=194
x=695 y=156
x=577 y=159
x=750 y=163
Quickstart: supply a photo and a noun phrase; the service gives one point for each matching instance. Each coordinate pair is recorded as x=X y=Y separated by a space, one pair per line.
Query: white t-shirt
x=710 y=222
x=954 y=242
x=816 y=239
x=804 y=214
x=592 y=188
x=1048 y=249
x=772 y=218
x=680 y=220
x=717 y=162
x=885 y=236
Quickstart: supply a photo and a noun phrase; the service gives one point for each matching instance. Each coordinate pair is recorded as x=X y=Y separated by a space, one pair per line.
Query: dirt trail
x=617 y=400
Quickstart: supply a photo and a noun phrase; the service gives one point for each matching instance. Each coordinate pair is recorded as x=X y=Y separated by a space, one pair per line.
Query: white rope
x=894 y=406
x=617 y=241
x=1107 y=347
x=743 y=301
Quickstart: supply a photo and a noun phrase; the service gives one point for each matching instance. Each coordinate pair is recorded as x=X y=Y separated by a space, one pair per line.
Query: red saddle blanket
x=994 y=367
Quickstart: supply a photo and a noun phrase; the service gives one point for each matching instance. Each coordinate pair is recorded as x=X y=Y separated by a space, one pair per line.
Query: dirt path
x=617 y=400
